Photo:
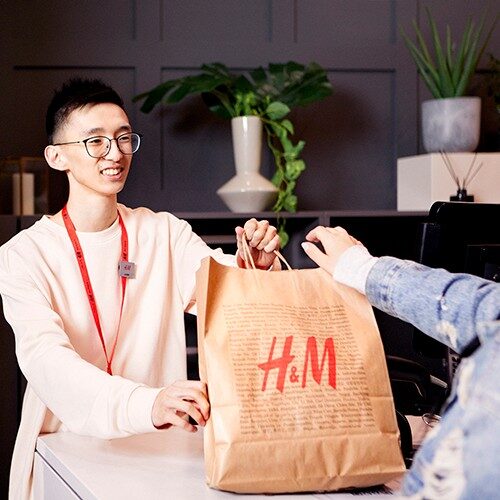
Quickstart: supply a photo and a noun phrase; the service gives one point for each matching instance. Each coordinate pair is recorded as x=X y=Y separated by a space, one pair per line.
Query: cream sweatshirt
x=57 y=344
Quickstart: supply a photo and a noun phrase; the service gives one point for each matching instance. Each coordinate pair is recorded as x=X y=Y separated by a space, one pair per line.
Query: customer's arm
x=452 y=308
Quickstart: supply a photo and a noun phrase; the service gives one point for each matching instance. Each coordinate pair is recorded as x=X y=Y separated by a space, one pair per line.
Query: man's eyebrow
x=100 y=130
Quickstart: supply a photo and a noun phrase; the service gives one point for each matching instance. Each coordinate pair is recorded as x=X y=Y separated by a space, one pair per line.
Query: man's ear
x=55 y=158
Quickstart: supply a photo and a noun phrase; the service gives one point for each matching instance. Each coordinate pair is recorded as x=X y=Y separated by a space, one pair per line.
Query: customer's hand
x=262 y=240
x=175 y=402
x=335 y=242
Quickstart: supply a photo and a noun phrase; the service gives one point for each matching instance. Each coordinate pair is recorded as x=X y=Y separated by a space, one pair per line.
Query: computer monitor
x=459 y=237
x=462 y=237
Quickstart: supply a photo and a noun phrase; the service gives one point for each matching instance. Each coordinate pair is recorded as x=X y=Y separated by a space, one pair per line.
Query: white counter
x=167 y=465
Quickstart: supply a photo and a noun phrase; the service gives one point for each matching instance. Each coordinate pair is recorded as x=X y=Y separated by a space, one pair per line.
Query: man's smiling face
x=106 y=175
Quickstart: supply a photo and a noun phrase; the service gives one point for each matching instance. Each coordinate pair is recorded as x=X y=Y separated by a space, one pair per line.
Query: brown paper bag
x=298 y=385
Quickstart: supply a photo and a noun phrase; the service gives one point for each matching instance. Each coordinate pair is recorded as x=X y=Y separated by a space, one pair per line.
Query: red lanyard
x=86 y=279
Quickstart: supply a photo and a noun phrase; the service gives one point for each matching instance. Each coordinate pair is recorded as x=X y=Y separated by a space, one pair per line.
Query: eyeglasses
x=99 y=146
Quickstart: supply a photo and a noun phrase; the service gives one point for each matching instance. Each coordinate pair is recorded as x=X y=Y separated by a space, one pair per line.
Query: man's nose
x=114 y=151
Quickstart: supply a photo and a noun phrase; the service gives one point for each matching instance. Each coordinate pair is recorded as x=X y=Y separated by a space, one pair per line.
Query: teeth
x=110 y=171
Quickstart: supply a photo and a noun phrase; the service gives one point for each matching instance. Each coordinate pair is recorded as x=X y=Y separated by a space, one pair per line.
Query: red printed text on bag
x=310 y=363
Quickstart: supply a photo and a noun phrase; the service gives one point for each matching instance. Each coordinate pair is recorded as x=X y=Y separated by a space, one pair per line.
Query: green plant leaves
x=268 y=93
x=294 y=168
x=154 y=96
x=277 y=110
x=245 y=104
x=447 y=72
x=258 y=76
x=288 y=125
x=284 y=238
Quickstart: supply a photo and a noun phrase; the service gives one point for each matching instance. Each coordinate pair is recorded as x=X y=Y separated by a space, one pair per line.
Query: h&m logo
x=310 y=359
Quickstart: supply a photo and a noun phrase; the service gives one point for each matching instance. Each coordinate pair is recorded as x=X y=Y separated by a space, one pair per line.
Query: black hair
x=75 y=94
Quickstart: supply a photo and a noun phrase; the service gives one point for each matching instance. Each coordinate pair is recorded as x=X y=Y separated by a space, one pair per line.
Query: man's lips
x=112 y=171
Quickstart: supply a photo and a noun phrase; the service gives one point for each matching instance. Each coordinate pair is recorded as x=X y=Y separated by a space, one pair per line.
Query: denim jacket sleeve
x=451 y=308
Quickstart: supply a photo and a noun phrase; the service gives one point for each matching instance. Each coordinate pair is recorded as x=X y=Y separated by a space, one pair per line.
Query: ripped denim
x=460 y=457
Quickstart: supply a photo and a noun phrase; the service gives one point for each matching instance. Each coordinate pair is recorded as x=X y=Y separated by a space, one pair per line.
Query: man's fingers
x=250 y=227
x=273 y=245
x=262 y=240
x=171 y=410
x=182 y=398
x=178 y=419
x=188 y=408
x=259 y=234
x=193 y=391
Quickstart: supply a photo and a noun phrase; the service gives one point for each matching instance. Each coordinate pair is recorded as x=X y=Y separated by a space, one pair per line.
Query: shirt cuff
x=353 y=267
x=140 y=407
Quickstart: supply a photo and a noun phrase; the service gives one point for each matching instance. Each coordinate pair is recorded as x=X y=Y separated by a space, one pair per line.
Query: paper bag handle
x=247 y=256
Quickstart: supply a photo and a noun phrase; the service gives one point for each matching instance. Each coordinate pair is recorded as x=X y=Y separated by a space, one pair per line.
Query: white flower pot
x=248 y=190
x=451 y=124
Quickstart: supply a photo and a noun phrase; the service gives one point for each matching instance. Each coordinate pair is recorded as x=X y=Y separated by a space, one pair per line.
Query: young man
x=96 y=293
x=459 y=459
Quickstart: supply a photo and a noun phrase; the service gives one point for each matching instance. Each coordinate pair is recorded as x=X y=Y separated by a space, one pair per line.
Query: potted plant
x=450 y=121
x=267 y=93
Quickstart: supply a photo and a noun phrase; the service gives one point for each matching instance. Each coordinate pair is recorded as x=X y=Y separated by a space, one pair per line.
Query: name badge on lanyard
x=126 y=269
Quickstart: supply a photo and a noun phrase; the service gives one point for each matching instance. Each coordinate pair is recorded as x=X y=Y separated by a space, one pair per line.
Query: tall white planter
x=248 y=190
x=452 y=124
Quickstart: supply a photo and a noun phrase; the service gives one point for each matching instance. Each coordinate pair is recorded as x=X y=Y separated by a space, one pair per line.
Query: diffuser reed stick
x=467 y=179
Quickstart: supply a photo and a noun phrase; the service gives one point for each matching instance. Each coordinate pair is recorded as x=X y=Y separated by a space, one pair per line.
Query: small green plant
x=448 y=70
x=268 y=93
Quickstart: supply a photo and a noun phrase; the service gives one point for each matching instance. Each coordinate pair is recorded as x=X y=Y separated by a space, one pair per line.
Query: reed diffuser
x=462 y=185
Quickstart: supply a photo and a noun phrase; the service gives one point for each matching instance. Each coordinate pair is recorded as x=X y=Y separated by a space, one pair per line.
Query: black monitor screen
x=459 y=237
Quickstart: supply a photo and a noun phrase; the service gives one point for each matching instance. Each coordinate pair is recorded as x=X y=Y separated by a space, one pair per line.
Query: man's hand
x=335 y=242
x=175 y=402
x=262 y=240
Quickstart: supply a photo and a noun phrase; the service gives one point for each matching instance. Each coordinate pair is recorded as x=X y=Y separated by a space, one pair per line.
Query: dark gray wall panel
x=350 y=144
x=72 y=20
x=196 y=154
x=192 y=23
x=336 y=23
x=353 y=138
x=26 y=132
x=230 y=31
x=197 y=157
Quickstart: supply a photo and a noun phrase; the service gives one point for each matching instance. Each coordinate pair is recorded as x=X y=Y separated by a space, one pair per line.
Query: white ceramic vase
x=248 y=190
x=451 y=124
